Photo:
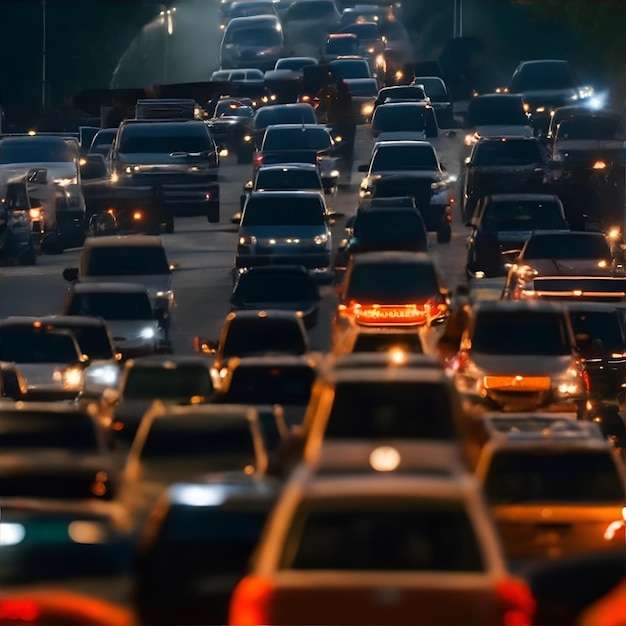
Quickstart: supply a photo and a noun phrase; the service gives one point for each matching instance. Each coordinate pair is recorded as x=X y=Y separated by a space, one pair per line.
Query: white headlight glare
x=320 y=239
x=147 y=333
x=104 y=374
x=11 y=534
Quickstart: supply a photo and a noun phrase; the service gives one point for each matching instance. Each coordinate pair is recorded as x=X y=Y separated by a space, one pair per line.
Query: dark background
x=124 y=43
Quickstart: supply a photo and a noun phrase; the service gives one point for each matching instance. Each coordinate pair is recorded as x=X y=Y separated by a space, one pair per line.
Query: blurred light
x=224 y=153
x=384 y=459
x=32 y=133
x=11 y=534
x=612 y=529
x=199 y=495
x=82 y=161
x=614 y=233
x=147 y=333
x=137 y=215
x=599 y=165
x=397 y=356
x=86 y=532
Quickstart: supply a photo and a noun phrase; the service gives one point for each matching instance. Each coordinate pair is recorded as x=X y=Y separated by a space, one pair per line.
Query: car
x=502 y=165
x=127 y=258
x=20 y=236
x=247 y=76
x=252 y=42
x=568 y=469
x=497 y=115
x=49 y=359
x=363 y=13
x=363 y=92
x=255 y=333
x=350 y=67
x=249 y=8
x=285 y=228
x=501 y=225
x=520 y=355
x=284 y=288
x=400 y=93
x=410 y=168
x=180 y=443
x=138 y=329
x=546 y=84
x=102 y=141
x=382 y=228
x=294 y=64
x=378 y=540
x=230 y=124
x=302 y=143
x=273 y=115
x=306 y=24
x=221 y=515
x=173 y=380
x=371 y=45
x=282 y=177
x=179 y=156
x=396 y=343
x=282 y=381
x=391 y=289
x=12 y=382
x=587 y=168
x=566 y=264
x=339 y=44
x=439 y=97
x=404 y=121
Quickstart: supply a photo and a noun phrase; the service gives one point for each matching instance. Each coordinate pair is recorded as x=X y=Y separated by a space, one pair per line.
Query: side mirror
x=204 y=345
x=70 y=274
x=236 y=218
x=363 y=167
x=249 y=186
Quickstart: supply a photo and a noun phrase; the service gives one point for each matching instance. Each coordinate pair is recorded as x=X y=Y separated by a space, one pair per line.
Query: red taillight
x=516 y=601
x=250 y=602
x=18 y=611
x=258 y=160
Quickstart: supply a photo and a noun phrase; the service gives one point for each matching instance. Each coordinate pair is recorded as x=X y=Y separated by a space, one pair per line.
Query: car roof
x=497 y=96
x=284 y=194
x=108 y=287
x=391 y=257
x=168 y=361
x=543 y=61
x=333 y=36
x=513 y=197
x=60 y=320
x=252 y=21
x=277 y=270
x=274 y=314
x=561 y=232
x=303 y=127
x=312 y=360
x=310 y=167
x=120 y=241
x=406 y=103
x=540 y=306
x=405 y=142
x=384 y=374
x=387 y=359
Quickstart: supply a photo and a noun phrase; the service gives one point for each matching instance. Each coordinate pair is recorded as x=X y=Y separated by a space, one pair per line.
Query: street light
x=168 y=22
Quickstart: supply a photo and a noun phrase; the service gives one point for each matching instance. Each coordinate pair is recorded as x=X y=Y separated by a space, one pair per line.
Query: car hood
x=401 y=135
x=154 y=283
x=160 y=160
x=512 y=364
x=570 y=267
x=551 y=97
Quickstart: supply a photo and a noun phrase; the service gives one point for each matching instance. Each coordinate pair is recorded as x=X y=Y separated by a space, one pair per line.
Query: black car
x=502 y=165
x=440 y=99
x=231 y=126
x=17 y=237
x=288 y=288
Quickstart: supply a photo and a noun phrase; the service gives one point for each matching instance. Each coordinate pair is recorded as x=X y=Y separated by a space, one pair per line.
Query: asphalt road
x=203 y=284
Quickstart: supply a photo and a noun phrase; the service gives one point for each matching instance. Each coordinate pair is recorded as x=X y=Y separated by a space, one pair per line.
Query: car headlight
x=168 y=294
x=129 y=169
x=247 y=138
x=570 y=383
x=147 y=333
x=367 y=109
x=320 y=240
x=65 y=182
x=70 y=377
x=87 y=532
x=106 y=375
x=334 y=173
x=11 y=534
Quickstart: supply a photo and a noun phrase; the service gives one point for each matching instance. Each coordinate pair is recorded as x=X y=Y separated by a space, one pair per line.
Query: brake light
x=19 y=611
x=250 y=602
x=516 y=601
x=395 y=314
x=258 y=160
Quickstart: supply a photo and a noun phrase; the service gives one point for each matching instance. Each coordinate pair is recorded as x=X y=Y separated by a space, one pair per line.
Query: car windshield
x=434 y=87
x=112 y=305
x=392 y=283
x=103 y=138
x=505 y=152
x=404 y=158
x=285 y=211
x=249 y=9
x=35 y=150
x=591 y=128
x=126 y=261
x=170 y=382
x=27 y=344
x=290 y=385
x=46 y=429
x=136 y=141
x=288 y=114
x=257 y=337
x=58 y=484
x=351 y=69
x=384 y=342
x=363 y=30
x=265 y=36
x=553 y=476
x=311 y=10
x=93 y=340
x=382 y=534
x=495 y=111
x=402 y=93
x=389 y=409
x=567 y=246
x=275 y=288
x=522 y=215
x=294 y=64
x=540 y=76
x=296 y=139
x=286 y=179
x=342 y=45
x=520 y=333
x=604 y=326
x=364 y=88
x=387 y=228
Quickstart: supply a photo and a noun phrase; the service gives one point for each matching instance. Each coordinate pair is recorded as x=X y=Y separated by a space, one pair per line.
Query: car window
x=399 y=118
x=363 y=30
x=520 y=333
x=401 y=93
x=350 y=69
x=181 y=381
x=283 y=212
x=390 y=229
x=566 y=246
x=94 y=341
x=495 y=111
x=402 y=410
x=392 y=283
x=504 y=153
x=262 y=36
x=35 y=151
x=588 y=128
x=274 y=288
x=296 y=139
x=24 y=345
x=343 y=45
x=517 y=476
x=126 y=261
x=136 y=141
x=522 y=215
x=273 y=115
x=601 y=325
x=434 y=87
x=364 y=88
x=288 y=180
x=404 y=158
x=538 y=76
x=271 y=385
x=112 y=305
x=261 y=336
x=382 y=535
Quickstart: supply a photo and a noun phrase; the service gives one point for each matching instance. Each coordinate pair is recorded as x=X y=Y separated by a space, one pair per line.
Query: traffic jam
x=324 y=344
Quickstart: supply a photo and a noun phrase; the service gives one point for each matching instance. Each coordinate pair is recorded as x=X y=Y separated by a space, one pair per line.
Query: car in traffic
x=404 y=121
x=285 y=228
x=282 y=288
x=401 y=93
x=20 y=234
x=521 y=355
x=439 y=98
x=339 y=44
x=363 y=92
x=102 y=141
x=230 y=124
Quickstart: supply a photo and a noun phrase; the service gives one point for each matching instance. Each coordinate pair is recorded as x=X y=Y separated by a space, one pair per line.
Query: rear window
x=285 y=211
x=126 y=261
x=286 y=179
x=275 y=288
x=296 y=139
x=602 y=325
x=364 y=88
x=390 y=226
x=263 y=36
x=182 y=381
x=94 y=341
x=391 y=410
x=434 y=87
x=403 y=158
x=552 y=476
x=350 y=69
x=66 y=484
x=343 y=45
x=264 y=336
x=522 y=215
x=135 y=139
x=272 y=115
x=112 y=305
x=504 y=153
x=402 y=93
x=587 y=128
x=384 y=342
x=30 y=345
x=492 y=111
x=382 y=535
